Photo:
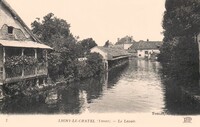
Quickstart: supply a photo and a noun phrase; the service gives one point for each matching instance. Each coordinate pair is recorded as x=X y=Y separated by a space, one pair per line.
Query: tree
x=181 y=22
x=50 y=28
x=87 y=44
x=56 y=33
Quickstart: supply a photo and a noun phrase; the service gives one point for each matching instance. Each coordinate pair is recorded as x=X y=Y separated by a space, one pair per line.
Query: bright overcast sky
x=100 y=19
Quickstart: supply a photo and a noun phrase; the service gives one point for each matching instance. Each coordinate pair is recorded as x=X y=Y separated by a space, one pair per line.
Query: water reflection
x=72 y=99
x=139 y=87
x=177 y=101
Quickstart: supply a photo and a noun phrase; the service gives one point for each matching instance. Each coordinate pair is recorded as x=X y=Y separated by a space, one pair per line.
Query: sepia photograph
x=99 y=62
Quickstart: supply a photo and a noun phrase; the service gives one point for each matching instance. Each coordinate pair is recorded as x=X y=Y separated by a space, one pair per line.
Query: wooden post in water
x=105 y=63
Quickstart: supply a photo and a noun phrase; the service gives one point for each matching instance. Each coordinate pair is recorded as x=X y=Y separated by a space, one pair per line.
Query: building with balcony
x=22 y=55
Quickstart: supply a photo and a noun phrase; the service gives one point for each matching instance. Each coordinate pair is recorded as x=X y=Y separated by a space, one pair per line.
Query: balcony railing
x=41 y=69
x=29 y=70
x=14 y=72
x=22 y=63
x=20 y=73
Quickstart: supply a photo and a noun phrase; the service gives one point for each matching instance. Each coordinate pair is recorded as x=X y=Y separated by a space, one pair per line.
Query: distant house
x=145 y=49
x=22 y=56
x=112 y=56
x=125 y=42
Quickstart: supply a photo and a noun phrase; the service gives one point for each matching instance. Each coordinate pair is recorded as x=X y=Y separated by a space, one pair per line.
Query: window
x=146 y=52
x=10 y=29
x=139 y=54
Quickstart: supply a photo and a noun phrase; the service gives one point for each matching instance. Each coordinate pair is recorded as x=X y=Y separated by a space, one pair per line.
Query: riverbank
x=193 y=93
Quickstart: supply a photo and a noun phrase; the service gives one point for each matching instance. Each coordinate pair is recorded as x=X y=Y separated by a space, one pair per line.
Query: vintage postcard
x=96 y=63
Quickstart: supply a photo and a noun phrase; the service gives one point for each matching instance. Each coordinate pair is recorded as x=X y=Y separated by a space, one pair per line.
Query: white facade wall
x=124 y=46
x=146 y=53
x=97 y=50
x=127 y=46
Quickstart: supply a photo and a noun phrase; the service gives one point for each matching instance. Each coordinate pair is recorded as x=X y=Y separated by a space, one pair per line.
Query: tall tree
x=88 y=44
x=181 y=23
x=63 y=63
x=56 y=33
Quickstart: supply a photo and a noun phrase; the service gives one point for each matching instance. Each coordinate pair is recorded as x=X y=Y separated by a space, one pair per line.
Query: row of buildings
x=125 y=48
x=141 y=49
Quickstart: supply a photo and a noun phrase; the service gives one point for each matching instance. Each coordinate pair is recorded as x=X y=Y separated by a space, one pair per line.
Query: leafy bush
x=93 y=66
x=14 y=61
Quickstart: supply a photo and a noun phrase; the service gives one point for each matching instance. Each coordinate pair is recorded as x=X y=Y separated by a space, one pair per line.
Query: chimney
x=118 y=39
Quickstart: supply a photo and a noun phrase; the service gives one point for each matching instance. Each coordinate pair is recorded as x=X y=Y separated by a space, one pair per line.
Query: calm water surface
x=139 y=87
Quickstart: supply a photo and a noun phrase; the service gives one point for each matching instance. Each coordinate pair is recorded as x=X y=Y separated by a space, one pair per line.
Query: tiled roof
x=142 y=45
x=114 y=51
x=24 y=44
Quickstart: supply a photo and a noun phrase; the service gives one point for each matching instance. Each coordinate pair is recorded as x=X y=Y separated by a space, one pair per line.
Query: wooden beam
x=4 y=60
x=23 y=64
x=35 y=58
x=46 y=53
x=37 y=82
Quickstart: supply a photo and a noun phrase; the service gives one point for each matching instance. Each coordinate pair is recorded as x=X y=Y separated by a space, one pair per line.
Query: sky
x=101 y=20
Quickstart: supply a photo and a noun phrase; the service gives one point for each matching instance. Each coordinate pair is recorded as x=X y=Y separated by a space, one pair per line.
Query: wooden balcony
x=18 y=64
x=25 y=73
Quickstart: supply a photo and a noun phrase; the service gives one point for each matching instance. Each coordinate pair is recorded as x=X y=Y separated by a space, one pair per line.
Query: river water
x=139 y=87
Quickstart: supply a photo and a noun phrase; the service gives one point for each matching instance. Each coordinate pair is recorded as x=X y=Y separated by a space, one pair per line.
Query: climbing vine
x=14 y=61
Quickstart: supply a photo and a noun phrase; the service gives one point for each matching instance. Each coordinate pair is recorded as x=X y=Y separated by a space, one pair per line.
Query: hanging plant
x=14 y=61
x=29 y=60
